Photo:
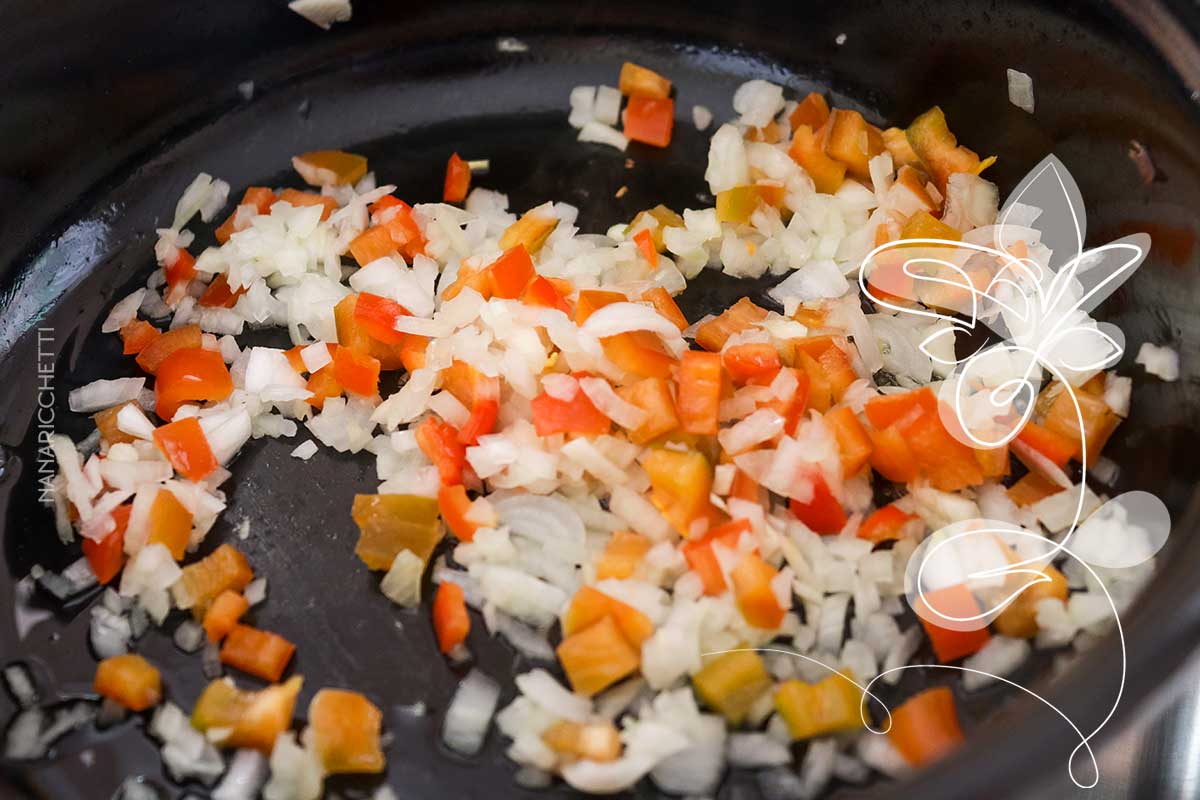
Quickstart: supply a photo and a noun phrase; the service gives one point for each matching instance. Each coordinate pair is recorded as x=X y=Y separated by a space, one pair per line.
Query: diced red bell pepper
x=453 y=505
x=650 y=120
x=450 y=620
x=353 y=335
x=184 y=444
x=260 y=197
x=699 y=398
x=948 y=463
x=255 y=652
x=323 y=384
x=834 y=364
x=745 y=362
x=372 y=244
x=397 y=217
x=823 y=514
x=159 y=347
x=356 y=372
x=854 y=445
x=188 y=375
x=890 y=456
x=541 y=292
x=653 y=396
x=645 y=243
x=511 y=273
x=107 y=556
x=377 y=316
x=703 y=561
x=178 y=275
x=219 y=295
x=577 y=415
x=485 y=406
x=713 y=334
x=297 y=198
x=955 y=602
x=458 y=180
x=885 y=524
x=137 y=335
x=439 y=442
x=1057 y=448
x=640 y=353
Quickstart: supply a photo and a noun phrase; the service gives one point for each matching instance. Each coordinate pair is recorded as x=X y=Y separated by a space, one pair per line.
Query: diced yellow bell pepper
x=344 y=728
x=663 y=216
x=816 y=709
x=239 y=718
x=938 y=149
x=923 y=225
x=389 y=523
x=807 y=150
x=732 y=682
x=531 y=230
x=329 y=167
x=853 y=141
x=739 y=203
x=1019 y=618
x=902 y=153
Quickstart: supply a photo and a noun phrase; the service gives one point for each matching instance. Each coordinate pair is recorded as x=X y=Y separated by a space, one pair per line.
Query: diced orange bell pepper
x=223 y=614
x=439 y=442
x=485 y=406
x=903 y=156
x=745 y=488
x=955 y=602
x=812 y=111
x=170 y=523
x=344 y=732
x=129 y=680
x=203 y=581
x=479 y=280
x=577 y=415
x=155 y=352
x=752 y=590
x=541 y=292
x=1099 y=422
x=1054 y=446
x=640 y=353
x=666 y=306
x=137 y=335
x=649 y=120
x=820 y=392
x=831 y=705
x=458 y=180
x=653 y=396
x=854 y=445
x=645 y=244
x=993 y=461
x=511 y=273
x=397 y=217
x=352 y=334
x=300 y=199
x=680 y=485
x=186 y=447
x=597 y=657
x=823 y=514
x=372 y=244
x=107 y=556
x=592 y=300
x=703 y=561
x=590 y=605
x=1032 y=487
x=834 y=364
x=663 y=218
x=389 y=523
x=639 y=80
x=451 y=622
x=256 y=652
x=110 y=431
x=938 y=149
x=745 y=362
x=827 y=174
x=412 y=352
x=948 y=463
x=890 y=456
x=699 y=397
x=885 y=524
x=851 y=140
x=189 y=375
x=356 y=372
x=887 y=409
x=454 y=506
x=923 y=225
x=260 y=197
x=330 y=167
x=621 y=556
x=323 y=385
x=377 y=316
x=233 y=717
x=925 y=727
x=594 y=741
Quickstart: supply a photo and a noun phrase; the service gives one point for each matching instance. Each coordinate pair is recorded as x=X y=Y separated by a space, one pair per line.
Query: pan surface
x=94 y=158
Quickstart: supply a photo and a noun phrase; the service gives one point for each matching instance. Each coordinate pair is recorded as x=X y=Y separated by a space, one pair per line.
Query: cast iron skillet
x=108 y=110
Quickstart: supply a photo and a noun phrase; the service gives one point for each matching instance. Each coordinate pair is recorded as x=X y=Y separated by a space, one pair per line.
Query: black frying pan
x=108 y=110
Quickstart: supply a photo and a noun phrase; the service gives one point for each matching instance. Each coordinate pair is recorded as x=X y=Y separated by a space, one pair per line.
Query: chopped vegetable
x=955 y=602
x=732 y=682
x=886 y=524
x=259 y=653
x=169 y=523
x=137 y=335
x=188 y=375
x=829 y=706
x=356 y=372
x=234 y=717
x=1019 y=618
x=852 y=141
x=925 y=727
x=938 y=149
x=755 y=596
x=806 y=150
x=344 y=732
x=597 y=657
x=204 y=580
x=812 y=111
x=377 y=316
x=160 y=346
x=699 y=392
x=649 y=120
x=590 y=605
x=440 y=443
x=224 y=614
x=594 y=741
x=329 y=167
x=450 y=620
x=640 y=81
x=129 y=680
x=621 y=556
x=458 y=180
x=529 y=233
x=681 y=482
x=107 y=556
x=186 y=447
x=577 y=415
x=823 y=513
x=389 y=523
x=853 y=442
x=698 y=552
x=739 y=203
x=653 y=396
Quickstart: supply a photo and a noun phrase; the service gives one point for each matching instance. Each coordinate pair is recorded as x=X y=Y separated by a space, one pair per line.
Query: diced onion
x=470 y=713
